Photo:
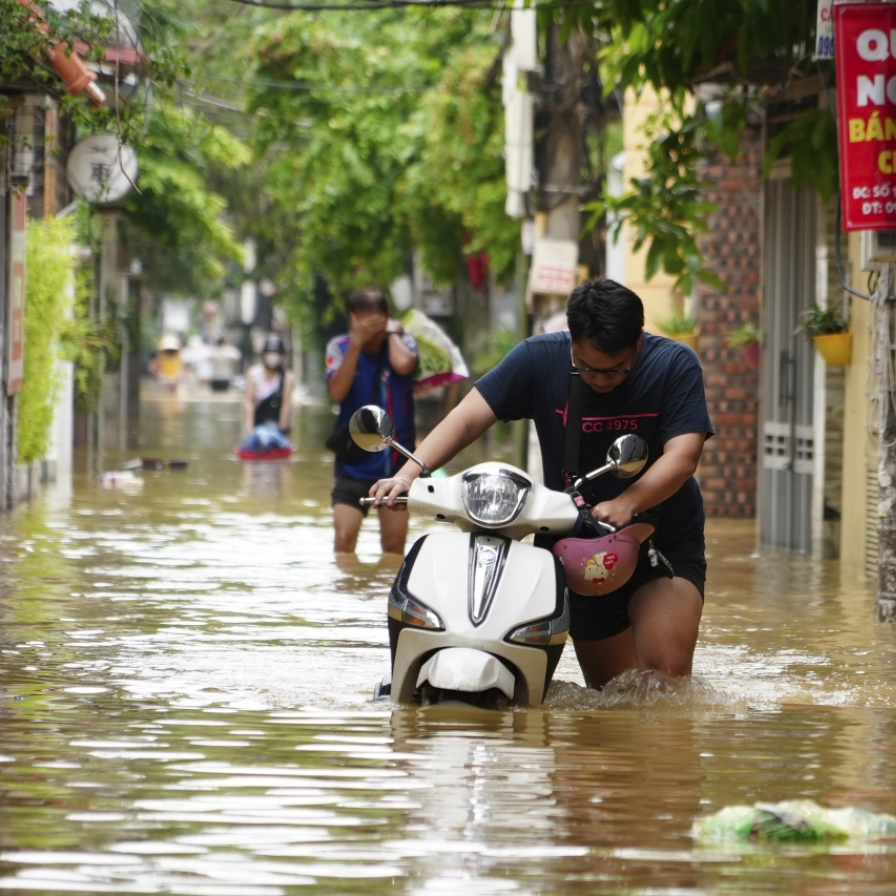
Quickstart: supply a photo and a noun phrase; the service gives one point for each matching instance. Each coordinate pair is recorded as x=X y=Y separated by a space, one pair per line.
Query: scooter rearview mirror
x=625 y=458
x=371 y=428
x=627 y=454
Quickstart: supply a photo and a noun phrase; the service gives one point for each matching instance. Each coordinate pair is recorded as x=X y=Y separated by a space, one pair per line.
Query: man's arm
x=675 y=466
x=249 y=404
x=340 y=383
x=286 y=404
x=469 y=420
x=363 y=328
x=401 y=358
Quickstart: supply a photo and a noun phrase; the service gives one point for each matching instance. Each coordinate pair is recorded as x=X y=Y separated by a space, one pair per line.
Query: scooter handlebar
x=362 y=501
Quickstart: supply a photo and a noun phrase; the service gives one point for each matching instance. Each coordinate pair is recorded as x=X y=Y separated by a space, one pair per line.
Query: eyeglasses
x=613 y=373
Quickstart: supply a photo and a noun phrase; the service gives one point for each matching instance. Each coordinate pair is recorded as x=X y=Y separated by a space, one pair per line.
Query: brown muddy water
x=186 y=708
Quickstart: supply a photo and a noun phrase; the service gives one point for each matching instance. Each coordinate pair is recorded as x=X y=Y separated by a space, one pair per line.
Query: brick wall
x=728 y=471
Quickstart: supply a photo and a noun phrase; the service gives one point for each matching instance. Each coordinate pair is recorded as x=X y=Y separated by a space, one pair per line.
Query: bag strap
x=377 y=394
x=573 y=428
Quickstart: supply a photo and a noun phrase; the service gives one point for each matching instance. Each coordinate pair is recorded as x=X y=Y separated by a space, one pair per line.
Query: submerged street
x=186 y=707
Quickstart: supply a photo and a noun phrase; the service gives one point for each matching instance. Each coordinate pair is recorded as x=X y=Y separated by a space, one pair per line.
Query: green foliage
x=812 y=143
x=460 y=172
x=743 y=336
x=175 y=206
x=665 y=206
x=25 y=36
x=359 y=177
x=676 y=323
x=748 y=50
x=48 y=268
x=490 y=348
x=92 y=343
x=821 y=321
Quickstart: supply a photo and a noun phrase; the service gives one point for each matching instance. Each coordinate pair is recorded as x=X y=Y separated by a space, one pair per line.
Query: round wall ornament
x=101 y=171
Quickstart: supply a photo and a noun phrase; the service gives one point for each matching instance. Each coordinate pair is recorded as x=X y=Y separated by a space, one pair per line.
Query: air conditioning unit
x=878 y=247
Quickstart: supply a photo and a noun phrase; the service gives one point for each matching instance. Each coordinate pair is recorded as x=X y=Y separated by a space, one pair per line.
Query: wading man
x=636 y=382
x=374 y=363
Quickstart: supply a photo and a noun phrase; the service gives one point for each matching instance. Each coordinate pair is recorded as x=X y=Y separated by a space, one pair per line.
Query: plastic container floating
x=792 y=821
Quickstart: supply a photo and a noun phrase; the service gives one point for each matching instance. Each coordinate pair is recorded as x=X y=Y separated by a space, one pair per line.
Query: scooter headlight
x=494 y=499
x=412 y=612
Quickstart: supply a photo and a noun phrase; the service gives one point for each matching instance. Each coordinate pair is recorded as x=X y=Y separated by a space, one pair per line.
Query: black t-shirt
x=661 y=398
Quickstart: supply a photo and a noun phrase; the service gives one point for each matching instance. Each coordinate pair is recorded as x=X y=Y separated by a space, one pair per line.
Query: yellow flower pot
x=688 y=339
x=835 y=348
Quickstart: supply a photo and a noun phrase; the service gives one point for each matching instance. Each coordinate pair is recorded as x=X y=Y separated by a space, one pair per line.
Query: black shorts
x=349 y=491
x=602 y=617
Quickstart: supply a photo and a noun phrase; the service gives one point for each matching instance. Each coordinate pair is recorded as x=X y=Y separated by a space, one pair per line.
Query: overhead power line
x=316 y=88
x=373 y=6
x=406 y=4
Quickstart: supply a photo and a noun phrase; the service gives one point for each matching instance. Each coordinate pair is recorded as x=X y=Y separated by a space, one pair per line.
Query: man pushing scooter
x=583 y=388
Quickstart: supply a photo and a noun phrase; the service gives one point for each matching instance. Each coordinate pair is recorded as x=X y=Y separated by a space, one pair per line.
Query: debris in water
x=793 y=821
x=120 y=479
x=156 y=463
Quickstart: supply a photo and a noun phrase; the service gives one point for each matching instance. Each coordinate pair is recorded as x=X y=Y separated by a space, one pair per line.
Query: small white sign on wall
x=554 y=266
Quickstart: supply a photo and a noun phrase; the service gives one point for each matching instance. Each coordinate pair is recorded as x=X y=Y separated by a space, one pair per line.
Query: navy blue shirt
x=661 y=398
x=377 y=383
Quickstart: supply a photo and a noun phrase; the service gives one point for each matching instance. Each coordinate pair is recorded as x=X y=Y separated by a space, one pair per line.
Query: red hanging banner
x=865 y=37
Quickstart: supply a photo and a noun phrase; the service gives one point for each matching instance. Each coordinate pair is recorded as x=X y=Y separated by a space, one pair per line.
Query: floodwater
x=186 y=708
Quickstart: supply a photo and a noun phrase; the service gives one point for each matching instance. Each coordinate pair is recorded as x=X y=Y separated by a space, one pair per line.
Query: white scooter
x=478 y=615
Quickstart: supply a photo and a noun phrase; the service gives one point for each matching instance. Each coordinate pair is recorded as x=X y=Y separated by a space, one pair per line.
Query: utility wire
x=371 y=7
x=405 y=4
x=322 y=88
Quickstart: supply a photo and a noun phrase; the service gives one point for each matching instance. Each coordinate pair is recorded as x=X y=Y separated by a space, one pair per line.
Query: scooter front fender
x=466 y=669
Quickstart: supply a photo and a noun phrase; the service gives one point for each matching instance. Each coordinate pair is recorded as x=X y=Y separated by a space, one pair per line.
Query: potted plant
x=748 y=339
x=679 y=326
x=830 y=333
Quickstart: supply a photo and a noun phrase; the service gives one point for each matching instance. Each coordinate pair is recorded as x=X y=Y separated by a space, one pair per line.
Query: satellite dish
x=99 y=171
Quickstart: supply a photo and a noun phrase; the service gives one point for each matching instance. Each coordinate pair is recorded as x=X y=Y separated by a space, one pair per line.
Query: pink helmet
x=597 y=566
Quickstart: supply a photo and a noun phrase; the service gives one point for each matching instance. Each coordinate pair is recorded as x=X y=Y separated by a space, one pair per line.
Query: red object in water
x=274 y=454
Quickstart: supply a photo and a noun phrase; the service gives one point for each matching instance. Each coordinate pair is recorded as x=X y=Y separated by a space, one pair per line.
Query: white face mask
x=272 y=360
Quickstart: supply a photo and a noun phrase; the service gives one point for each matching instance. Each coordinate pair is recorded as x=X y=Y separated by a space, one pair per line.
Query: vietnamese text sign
x=15 y=344
x=866 y=104
x=824 y=30
x=554 y=266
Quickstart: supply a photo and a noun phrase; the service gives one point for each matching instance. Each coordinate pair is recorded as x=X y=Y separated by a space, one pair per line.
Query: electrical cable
x=320 y=88
x=371 y=7
x=406 y=4
x=839 y=253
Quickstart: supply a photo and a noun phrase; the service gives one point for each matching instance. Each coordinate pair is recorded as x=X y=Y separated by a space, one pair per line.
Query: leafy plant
x=750 y=52
x=49 y=267
x=748 y=334
x=92 y=344
x=665 y=208
x=491 y=347
x=361 y=177
x=819 y=321
x=677 y=322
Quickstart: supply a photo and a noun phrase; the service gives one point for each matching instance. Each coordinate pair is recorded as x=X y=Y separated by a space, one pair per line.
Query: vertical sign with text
x=15 y=328
x=865 y=36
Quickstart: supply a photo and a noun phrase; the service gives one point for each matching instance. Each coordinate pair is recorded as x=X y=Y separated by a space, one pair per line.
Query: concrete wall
x=858 y=533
